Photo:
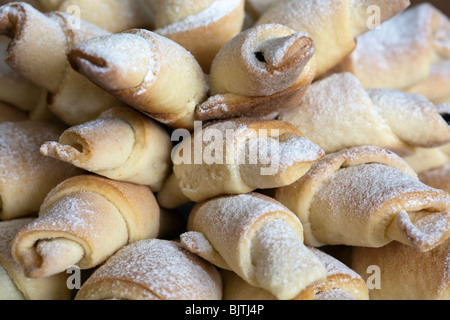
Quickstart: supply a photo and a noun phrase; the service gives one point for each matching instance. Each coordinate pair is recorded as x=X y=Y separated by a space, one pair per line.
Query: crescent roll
x=83 y=221
x=259 y=72
x=153 y=269
x=43 y=61
x=406 y=273
x=122 y=144
x=367 y=196
x=338 y=112
x=342 y=283
x=237 y=156
x=333 y=24
x=25 y=175
x=257 y=238
x=14 y=285
x=203 y=27
x=419 y=36
x=147 y=71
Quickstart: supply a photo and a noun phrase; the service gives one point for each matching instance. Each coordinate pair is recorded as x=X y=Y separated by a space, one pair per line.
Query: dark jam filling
x=446 y=117
x=260 y=56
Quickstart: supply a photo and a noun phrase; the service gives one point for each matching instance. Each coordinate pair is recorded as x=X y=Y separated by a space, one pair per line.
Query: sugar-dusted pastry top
x=383 y=56
x=154 y=270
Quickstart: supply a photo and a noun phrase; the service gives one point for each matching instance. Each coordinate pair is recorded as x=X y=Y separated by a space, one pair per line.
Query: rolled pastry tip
x=27 y=176
x=150 y=73
x=153 y=269
x=367 y=196
x=419 y=35
x=82 y=222
x=342 y=283
x=237 y=156
x=334 y=25
x=214 y=21
x=259 y=72
x=14 y=284
x=406 y=273
x=122 y=144
x=386 y=118
x=71 y=97
x=258 y=239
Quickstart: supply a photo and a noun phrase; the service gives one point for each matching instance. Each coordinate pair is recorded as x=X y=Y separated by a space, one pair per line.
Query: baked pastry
x=342 y=283
x=19 y=92
x=383 y=57
x=259 y=72
x=153 y=269
x=26 y=176
x=43 y=61
x=338 y=112
x=14 y=285
x=203 y=27
x=83 y=221
x=112 y=15
x=406 y=273
x=237 y=156
x=257 y=238
x=122 y=144
x=149 y=72
x=367 y=196
x=334 y=25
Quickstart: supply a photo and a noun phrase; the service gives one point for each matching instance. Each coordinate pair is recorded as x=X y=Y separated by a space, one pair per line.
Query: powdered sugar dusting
x=213 y=13
x=164 y=268
x=20 y=142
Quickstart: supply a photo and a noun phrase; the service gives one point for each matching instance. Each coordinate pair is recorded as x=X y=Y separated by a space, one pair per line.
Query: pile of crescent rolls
x=224 y=150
